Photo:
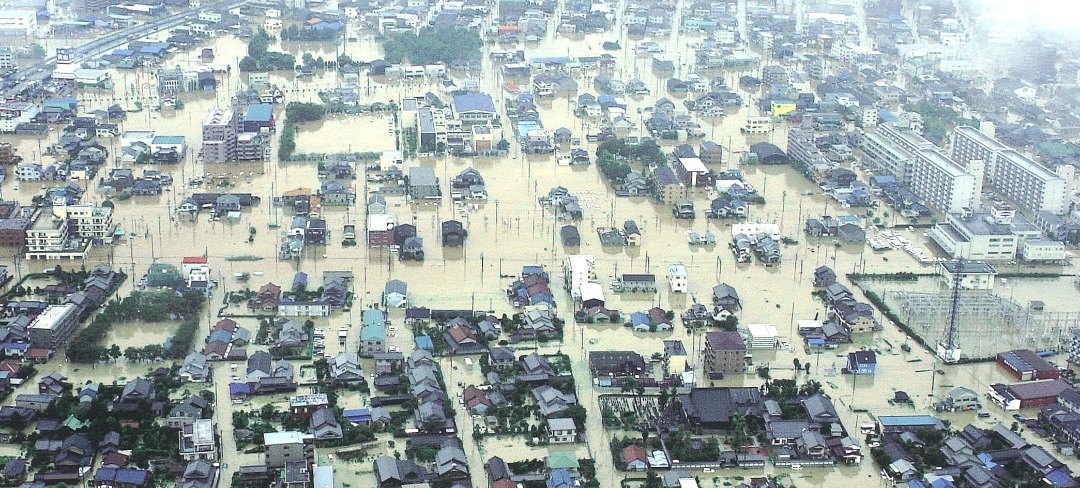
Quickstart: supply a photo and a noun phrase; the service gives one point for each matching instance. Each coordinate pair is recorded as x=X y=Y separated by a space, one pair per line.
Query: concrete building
x=51 y=328
x=219 y=136
x=1031 y=186
x=226 y=137
x=197 y=441
x=18 y=22
x=69 y=232
x=943 y=184
x=982 y=236
x=725 y=352
x=968 y=143
x=677 y=278
x=891 y=149
x=974 y=275
x=283 y=447
x=577 y=271
x=9 y=57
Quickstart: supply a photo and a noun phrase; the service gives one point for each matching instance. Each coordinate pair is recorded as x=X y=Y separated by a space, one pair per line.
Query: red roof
x=504 y=483
x=10 y=366
x=38 y=353
x=194 y=260
x=633 y=452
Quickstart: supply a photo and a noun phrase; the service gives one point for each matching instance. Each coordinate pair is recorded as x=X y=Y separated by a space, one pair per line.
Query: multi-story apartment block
x=801 y=148
x=21 y=22
x=1030 y=185
x=51 y=328
x=219 y=136
x=226 y=138
x=969 y=143
x=9 y=57
x=725 y=352
x=943 y=184
x=68 y=231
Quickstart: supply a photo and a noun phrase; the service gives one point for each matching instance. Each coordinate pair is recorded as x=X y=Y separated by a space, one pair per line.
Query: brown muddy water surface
x=509 y=231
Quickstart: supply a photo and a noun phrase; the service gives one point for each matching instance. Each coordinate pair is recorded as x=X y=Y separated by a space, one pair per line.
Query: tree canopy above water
x=434 y=45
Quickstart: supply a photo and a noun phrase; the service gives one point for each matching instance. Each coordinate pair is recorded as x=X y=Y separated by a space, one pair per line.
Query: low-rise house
x=552 y=401
x=500 y=358
x=135 y=392
x=387 y=362
x=197 y=440
x=616 y=363
x=187 y=412
x=345 y=369
x=395 y=294
x=561 y=431
x=324 y=425
x=633 y=458
x=862 y=363
x=195 y=369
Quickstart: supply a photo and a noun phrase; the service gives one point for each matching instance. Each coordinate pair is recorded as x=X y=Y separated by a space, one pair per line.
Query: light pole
x=933 y=379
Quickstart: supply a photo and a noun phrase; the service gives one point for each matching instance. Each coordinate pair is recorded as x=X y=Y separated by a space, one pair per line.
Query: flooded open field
x=511 y=230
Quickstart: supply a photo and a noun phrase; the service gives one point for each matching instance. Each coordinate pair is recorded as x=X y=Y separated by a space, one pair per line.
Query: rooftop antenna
x=947 y=349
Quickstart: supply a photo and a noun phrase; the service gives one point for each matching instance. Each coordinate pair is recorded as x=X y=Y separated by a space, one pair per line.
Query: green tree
x=738 y=438
x=653 y=480
x=114 y=352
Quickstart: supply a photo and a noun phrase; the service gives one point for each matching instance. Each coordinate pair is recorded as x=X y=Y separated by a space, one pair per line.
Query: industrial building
x=1026 y=365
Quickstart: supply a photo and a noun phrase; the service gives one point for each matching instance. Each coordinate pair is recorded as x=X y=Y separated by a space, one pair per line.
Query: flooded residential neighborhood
x=538 y=244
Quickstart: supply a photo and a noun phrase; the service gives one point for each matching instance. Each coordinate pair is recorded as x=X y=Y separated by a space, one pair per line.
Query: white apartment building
x=8 y=57
x=1030 y=185
x=886 y=156
x=970 y=143
x=68 y=232
x=943 y=184
x=21 y=22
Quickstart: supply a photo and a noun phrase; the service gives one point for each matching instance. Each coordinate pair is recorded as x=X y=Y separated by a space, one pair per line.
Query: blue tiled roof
x=424 y=342
x=474 y=102
x=259 y=112
x=239 y=388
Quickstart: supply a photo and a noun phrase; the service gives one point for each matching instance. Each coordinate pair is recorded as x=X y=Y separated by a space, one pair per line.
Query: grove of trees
x=260 y=58
x=434 y=45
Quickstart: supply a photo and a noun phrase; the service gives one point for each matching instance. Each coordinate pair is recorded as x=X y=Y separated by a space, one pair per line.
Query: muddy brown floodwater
x=506 y=232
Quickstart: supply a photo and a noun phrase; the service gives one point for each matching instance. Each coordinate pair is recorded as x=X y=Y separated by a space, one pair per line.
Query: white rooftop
x=276 y=438
x=762 y=330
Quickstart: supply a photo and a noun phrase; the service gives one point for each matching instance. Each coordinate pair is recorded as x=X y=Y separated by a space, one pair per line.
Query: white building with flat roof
x=1030 y=185
x=969 y=143
x=18 y=22
x=677 y=278
x=978 y=236
x=578 y=271
x=771 y=230
x=944 y=185
x=51 y=328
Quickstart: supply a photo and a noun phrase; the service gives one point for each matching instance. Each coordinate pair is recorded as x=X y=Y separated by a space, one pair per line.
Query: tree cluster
x=434 y=45
x=260 y=58
x=143 y=306
x=294 y=33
